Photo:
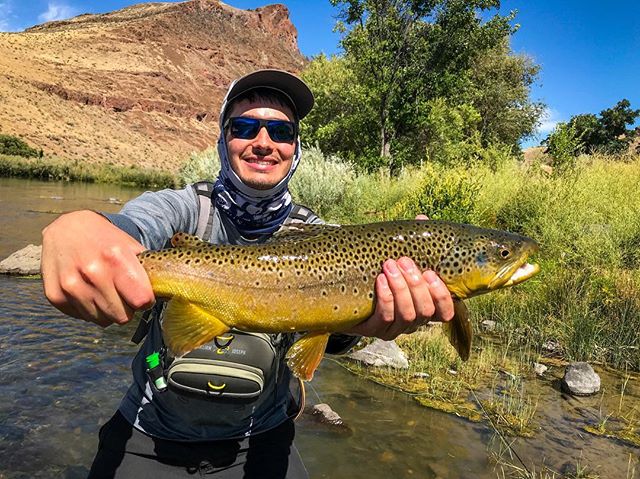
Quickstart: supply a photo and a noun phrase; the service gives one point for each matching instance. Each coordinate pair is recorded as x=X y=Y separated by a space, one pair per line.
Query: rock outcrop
x=138 y=86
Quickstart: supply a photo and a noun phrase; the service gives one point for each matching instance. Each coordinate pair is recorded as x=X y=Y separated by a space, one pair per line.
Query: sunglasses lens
x=244 y=128
x=247 y=128
x=282 y=131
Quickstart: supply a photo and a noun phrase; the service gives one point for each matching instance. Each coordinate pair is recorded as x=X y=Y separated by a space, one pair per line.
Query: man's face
x=260 y=162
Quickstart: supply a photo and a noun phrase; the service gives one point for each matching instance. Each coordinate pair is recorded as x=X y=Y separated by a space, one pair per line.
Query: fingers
x=411 y=300
x=406 y=298
x=90 y=270
x=441 y=297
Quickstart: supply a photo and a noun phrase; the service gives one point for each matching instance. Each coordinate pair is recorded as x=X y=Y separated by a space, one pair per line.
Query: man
x=90 y=271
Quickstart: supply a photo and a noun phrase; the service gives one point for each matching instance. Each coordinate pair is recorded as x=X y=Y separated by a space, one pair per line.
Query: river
x=61 y=378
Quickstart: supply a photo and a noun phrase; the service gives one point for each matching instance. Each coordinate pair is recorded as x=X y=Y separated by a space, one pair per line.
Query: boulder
x=580 y=380
x=381 y=353
x=23 y=262
x=325 y=415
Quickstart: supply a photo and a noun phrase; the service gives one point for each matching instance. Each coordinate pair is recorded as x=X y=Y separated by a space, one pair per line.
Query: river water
x=61 y=378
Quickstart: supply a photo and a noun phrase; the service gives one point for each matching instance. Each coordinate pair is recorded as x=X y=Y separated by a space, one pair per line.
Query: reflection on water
x=61 y=378
x=27 y=206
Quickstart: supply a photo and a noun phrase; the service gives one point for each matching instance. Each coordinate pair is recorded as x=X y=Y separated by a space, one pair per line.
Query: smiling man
x=227 y=408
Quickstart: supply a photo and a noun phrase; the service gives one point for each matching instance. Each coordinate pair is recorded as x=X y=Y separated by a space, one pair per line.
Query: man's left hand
x=406 y=299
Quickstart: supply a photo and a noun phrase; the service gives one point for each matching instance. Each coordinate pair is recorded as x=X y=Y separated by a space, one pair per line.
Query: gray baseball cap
x=286 y=83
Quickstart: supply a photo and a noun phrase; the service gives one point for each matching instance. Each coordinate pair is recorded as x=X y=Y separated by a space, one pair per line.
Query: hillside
x=141 y=85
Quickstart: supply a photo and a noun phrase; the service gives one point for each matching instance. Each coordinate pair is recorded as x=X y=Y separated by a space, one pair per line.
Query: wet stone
x=580 y=380
x=326 y=415
x=381 y=353
x=23 y=262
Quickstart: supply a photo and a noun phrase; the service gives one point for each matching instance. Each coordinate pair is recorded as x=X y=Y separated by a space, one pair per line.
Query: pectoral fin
x=305 y=355
x=185 y=326
x=459 y=329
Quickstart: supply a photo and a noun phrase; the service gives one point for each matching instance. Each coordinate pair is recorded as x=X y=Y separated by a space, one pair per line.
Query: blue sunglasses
x=246 y=128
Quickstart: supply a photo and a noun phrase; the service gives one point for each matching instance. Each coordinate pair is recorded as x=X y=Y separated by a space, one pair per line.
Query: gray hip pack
x=235 y=366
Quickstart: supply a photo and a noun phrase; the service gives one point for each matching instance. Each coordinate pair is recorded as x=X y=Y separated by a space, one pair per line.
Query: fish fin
x=305 y=354
x=459 y=330
x=185 y=326
x=299 y=231
x=184 y=240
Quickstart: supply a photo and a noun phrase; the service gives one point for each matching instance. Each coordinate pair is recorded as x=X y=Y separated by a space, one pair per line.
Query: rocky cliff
x=141 y=85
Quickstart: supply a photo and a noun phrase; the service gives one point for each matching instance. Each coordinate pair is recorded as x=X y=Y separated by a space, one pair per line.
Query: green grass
x=55 y=169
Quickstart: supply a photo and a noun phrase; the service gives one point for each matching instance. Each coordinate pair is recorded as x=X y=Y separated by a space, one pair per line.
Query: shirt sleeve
x=154 y=217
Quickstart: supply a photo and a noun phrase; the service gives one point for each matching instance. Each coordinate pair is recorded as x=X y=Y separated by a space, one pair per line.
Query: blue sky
x=589 y=50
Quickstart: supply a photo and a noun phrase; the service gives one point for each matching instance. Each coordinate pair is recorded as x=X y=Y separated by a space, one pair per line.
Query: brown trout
x=320 y=279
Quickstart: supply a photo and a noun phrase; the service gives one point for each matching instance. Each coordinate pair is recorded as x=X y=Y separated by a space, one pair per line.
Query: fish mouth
x=514 y=274
x=523 y=273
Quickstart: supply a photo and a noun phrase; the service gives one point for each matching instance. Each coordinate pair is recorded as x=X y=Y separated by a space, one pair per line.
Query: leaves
x=375 y=104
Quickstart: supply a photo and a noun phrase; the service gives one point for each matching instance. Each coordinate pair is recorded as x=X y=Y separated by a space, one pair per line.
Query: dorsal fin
x=184 y=240
x=300 y=231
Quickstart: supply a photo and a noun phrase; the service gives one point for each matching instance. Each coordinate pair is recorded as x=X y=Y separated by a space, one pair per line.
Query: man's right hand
x=90 y=269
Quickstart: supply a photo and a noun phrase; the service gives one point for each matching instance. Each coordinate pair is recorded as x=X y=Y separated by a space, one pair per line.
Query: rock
x=421 y=375
x=23 y=262
x=539 y=369
x=551 y=346
x=325 y=415
x=580 y=380
x=488 y=325
x=381 y=353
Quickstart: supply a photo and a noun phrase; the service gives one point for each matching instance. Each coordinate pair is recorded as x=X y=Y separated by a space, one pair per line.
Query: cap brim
x=292 y=86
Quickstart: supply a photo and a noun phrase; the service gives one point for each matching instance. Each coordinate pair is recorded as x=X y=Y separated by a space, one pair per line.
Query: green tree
x=614 y=123
x=501 y=95
x=406 y=61
x=607 y=133
x=407 y=52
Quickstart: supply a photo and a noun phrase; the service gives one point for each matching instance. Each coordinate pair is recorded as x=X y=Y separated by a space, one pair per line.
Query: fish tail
x=185 y=326
x=459 y=330
x=305 y=355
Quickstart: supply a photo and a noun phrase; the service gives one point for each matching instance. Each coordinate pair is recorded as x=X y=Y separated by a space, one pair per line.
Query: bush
x=563 y=145
x=14 y=146
x=441 y=194
x=321 y=183
x=200 y=166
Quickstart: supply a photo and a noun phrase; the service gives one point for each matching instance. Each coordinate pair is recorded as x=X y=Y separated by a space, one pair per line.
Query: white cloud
x=550 y=119
x=5 y=16
x=57 y=11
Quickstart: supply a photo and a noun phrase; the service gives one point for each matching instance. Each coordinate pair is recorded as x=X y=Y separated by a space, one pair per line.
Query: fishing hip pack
x=235 y=366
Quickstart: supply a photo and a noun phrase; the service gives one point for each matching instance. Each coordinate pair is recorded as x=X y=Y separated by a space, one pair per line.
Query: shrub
x=441 y=194
x=203 y=165
x=12 y=145
x=321 y=183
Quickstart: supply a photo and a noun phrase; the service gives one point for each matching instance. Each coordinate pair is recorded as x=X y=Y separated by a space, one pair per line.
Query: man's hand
x=406 y=299
x=90 y=269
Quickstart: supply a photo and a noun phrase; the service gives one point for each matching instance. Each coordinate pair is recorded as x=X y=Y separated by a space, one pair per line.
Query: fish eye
x=505 y=253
